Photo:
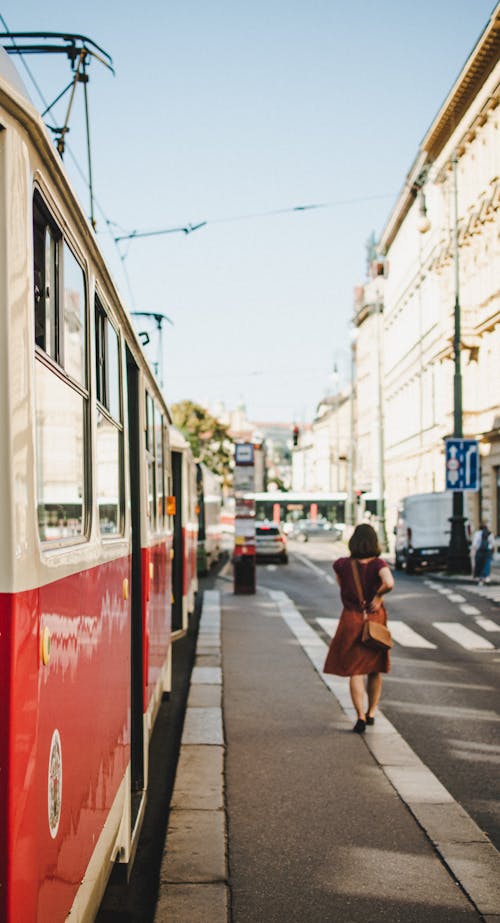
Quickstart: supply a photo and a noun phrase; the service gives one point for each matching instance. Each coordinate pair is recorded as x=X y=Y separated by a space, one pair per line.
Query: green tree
x=208 y=437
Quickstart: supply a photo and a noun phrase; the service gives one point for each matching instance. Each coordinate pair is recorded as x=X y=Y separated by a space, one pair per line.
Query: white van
x=423 y=531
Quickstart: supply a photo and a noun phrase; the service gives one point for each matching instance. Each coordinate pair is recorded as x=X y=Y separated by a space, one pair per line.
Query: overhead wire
x=188 y=227
x=48 y=111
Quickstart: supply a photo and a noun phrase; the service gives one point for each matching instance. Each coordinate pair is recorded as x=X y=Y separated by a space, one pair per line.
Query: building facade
x=441 y=248
x=321 y=461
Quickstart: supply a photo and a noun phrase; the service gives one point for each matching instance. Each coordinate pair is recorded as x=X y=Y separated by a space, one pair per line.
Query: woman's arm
x=386 y=585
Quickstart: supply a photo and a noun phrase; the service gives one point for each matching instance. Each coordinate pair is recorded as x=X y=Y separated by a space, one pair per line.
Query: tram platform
x=281 y=814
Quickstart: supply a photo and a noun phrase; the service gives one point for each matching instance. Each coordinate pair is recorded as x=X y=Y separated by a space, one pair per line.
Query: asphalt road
x=443 y=699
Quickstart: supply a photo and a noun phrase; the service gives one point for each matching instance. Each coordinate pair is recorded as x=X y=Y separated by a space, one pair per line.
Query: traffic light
x=295 y=435
x=359 y=494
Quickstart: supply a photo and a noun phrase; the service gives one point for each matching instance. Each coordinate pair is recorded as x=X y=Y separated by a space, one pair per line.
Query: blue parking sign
x=462 y=464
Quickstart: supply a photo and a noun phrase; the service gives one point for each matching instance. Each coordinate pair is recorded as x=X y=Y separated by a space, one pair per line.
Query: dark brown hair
x=363 y=542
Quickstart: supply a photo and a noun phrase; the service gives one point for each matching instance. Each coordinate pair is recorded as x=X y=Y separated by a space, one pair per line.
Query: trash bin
x=244 y=573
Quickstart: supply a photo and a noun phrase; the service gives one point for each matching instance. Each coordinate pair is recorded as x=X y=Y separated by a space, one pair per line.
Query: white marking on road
x=475 y=757
x=391 y=678
x=328 y=625
x=407 y=637
x=456 y=598
x=472 y=745
x=314 y=567
x=469 y=610
x=416 y=785
x=271 y=567
x=444 y=712
x=464 y=636
x=487 y=624
x=444 y=590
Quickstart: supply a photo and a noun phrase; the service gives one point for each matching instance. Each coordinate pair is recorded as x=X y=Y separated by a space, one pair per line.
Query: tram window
x=60 y=465
x=150 y=461
x=45 y=254
x=109 y=479
x=107 y=363
x=59 y=296
x=113 y=373
x=160 y=470
x=74 y=318
x=109 y=435
x=149 y=423
x=61 y=398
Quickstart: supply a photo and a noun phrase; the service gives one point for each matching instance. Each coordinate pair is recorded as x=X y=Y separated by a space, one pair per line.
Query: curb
x=194 y=874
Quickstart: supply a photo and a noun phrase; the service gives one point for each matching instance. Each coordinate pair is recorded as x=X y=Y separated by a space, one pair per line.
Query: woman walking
x=364 y=579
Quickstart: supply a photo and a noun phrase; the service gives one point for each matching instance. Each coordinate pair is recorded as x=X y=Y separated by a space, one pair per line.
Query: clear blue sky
x=224 y=108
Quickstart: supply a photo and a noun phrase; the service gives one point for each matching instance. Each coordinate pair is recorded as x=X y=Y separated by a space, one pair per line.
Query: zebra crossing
x=405 y=636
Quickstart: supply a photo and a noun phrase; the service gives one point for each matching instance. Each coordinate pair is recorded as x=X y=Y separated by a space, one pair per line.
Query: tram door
x=178 y=562
x=136 y=684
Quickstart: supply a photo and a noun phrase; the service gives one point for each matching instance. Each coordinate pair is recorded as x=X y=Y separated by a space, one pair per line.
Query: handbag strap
x=357 y=584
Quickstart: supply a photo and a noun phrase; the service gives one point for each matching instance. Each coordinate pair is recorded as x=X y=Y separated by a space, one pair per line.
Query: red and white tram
x=88 y=543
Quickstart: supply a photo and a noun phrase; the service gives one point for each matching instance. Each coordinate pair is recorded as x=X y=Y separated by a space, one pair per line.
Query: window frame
x=55 y=363
x=103 y=322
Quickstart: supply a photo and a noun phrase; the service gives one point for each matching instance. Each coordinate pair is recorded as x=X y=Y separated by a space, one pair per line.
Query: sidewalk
x=281 y=814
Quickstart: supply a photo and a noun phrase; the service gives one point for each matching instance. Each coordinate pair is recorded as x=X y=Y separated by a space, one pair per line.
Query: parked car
x=270 y=541
x=306 y=529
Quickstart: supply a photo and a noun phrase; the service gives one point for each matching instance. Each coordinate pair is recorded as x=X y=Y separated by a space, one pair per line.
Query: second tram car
x=90 y=547
x=209 y=491
x=185 y=524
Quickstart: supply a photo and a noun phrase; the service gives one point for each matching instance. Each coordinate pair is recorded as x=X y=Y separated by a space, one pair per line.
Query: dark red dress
x=347 y=656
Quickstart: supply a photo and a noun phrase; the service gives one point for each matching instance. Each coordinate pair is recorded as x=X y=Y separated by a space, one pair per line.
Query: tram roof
x=9 y=73
x=16 y=100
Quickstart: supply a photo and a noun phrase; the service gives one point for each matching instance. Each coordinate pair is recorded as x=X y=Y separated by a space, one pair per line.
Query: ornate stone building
x=442 y=244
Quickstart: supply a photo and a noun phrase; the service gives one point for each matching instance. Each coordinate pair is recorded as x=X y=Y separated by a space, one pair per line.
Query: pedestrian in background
x=483 y=546
x=347 y=655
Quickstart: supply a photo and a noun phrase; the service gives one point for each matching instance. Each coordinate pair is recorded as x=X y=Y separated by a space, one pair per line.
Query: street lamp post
x=458 y=551
x=381 y=439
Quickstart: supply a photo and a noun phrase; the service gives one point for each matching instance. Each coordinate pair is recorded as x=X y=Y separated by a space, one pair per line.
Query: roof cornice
x=476 y=70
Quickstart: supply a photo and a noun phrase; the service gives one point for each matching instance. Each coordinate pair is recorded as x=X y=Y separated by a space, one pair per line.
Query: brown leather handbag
x=374 y=634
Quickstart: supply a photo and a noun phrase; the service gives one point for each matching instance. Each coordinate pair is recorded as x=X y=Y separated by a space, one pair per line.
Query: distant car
x=270 y=541
x=306 y=529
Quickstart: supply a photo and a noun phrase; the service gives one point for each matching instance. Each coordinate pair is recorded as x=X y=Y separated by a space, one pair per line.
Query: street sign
x=462 y=464
x=243 y=453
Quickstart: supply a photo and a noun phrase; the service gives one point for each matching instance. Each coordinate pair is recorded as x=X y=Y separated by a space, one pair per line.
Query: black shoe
x=359 y=727
x=370 y=719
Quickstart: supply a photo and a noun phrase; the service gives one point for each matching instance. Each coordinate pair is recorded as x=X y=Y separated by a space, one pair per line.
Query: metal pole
x=350 y=519
x=381 y=447
x=458 y=552
x=84 y=79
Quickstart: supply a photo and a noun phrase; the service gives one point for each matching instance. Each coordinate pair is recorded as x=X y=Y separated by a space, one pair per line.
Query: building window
x=61 y=396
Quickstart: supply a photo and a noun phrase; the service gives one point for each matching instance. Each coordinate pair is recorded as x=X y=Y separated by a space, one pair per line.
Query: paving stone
x=208 y=659
x=195 y=849
x=417 y=785
x=204 y=696
x=477 y=867
x=201 y=903
x=203 y=726
x=206 y=675
x=199 y=779
x=448 y=823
